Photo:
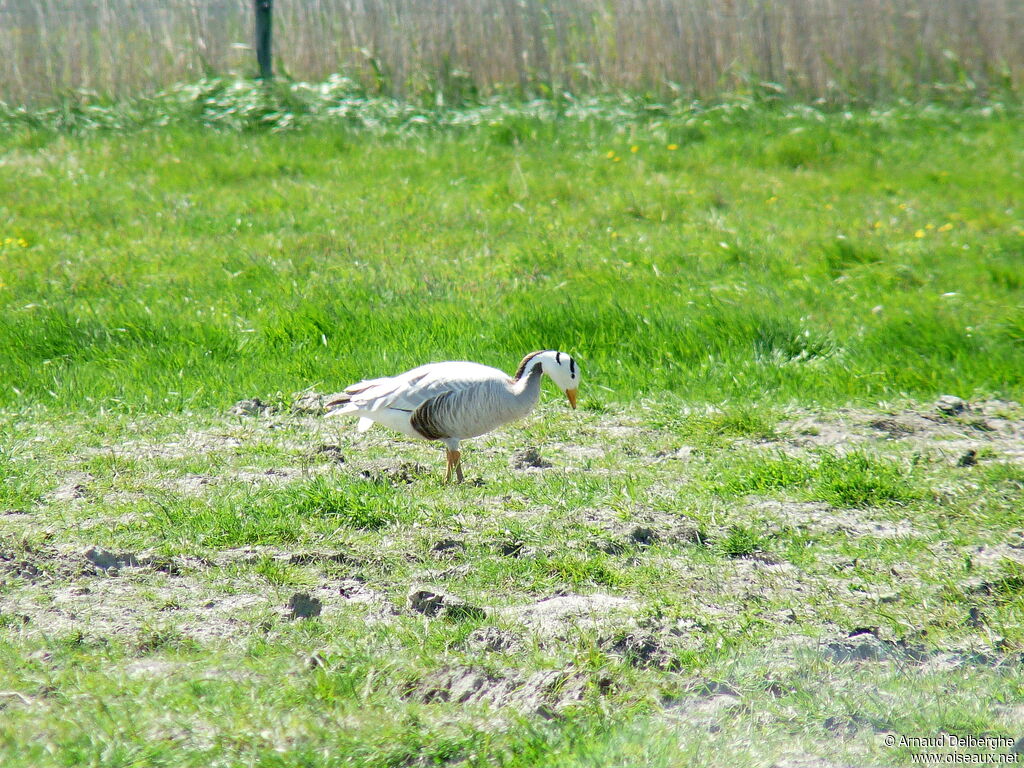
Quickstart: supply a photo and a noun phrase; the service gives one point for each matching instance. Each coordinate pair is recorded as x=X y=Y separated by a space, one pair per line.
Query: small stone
x=951 y=405
x=969 y=459
x=302 y=606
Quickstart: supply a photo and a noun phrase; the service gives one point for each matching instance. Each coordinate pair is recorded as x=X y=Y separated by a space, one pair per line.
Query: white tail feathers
x=349 y=408
x=345 y=409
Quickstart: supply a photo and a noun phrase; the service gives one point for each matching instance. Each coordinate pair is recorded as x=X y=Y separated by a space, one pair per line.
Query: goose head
x=563 y=370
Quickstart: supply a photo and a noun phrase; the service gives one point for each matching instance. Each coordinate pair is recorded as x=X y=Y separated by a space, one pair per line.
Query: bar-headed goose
x=454 y=401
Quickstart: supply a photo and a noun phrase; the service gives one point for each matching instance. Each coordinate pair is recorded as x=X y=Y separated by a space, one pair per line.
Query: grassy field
x=758 y=542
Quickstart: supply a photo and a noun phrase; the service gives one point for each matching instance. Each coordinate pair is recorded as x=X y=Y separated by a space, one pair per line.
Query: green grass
x=757 y=481
x=183 y=268
x=849 y=480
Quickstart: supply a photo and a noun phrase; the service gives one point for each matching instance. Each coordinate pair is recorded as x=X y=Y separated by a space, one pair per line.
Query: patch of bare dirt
x=641 y=649
x=111 y=563
x=104 y=593
x=950 y=428
x=867 y=645
x=329 y=453
x=256 y=554
x=547 y=693
x=391 y=472
x=996 y=554
x=494 y=639
x=192 y=443
x=73 y=487
x=527 y=459
x=556 y=616
x=819 y=517
x=644 y=529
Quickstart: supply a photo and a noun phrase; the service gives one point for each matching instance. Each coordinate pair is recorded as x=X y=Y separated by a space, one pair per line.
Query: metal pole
x=264 y=12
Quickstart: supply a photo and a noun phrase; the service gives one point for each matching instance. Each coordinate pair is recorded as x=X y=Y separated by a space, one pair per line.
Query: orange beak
x=571 y=394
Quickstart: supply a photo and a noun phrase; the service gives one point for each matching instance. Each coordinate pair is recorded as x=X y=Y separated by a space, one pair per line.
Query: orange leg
x=454 y=462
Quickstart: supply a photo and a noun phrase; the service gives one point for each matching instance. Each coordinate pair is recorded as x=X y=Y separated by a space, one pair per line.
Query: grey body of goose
x=454 y=401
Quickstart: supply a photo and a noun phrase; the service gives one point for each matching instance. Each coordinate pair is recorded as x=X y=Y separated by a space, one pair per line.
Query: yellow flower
x=828 y=206
x=902 y=206
x=945 y=227
x=672 y=147
x=929 y=226
x=611 y=154
x=634 y=149
x=771 y=199
x=616 y=159
x=23 y=242
x=919 y=234
x=877 y=225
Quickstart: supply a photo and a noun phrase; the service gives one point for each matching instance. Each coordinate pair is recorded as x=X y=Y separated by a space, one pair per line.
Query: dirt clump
x=18 y=567
x=529 y=458
x=302 y=606
x=968 y=459
x=328 y=452
x=110 y=563
x=546 y=693
x=251 y=407
x=405 y=472
x=447 y=548
x=641 y=650
x=310 y=403
x=951 y=405
x=892 y=427
x=494 y=640
x=433 y=602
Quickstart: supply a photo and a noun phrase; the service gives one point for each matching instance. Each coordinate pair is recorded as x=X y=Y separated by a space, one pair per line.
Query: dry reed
x=454 y=49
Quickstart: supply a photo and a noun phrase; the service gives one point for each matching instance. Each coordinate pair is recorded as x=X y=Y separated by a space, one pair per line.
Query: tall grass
x=458 y=49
